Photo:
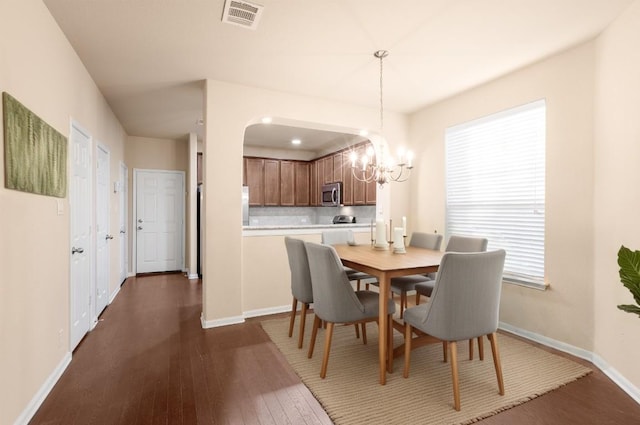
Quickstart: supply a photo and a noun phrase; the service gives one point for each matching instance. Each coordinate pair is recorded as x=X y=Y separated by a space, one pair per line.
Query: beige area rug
x=351 y=393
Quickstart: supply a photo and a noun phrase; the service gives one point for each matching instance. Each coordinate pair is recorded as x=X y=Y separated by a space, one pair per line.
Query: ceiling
x=149 y=57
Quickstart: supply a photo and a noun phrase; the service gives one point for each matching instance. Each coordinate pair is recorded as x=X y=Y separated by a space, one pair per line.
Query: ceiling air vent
x=242 y=13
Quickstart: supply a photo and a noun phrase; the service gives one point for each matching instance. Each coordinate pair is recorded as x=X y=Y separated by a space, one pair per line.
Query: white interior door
x=159 y=221
x=103 y=237
x=123 y=191
x=80 y=217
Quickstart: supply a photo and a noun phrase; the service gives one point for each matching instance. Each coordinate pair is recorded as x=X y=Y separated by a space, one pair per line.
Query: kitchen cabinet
x=287 y=183
x=301 y=188
x=271 y=182
x=254 y=178
x=327 y=166
x=337 y=167
x=274 y=182
x=314 y=189
x=347 y=179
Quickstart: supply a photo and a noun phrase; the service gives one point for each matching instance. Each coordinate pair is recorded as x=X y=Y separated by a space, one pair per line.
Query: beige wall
x=229 y=109
x=156 y=154
x=565 y=311
x=41 y=70
x=617 y=193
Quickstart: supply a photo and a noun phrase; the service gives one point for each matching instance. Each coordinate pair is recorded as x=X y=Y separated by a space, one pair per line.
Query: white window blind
x=495 y=181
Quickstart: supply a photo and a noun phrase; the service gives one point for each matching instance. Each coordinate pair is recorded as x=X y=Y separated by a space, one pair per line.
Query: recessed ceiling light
x=267 y=120
x=364 y=133
x=296 y=141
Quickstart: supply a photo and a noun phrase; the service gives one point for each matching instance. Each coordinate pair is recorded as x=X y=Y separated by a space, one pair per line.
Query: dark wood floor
x=149 y=362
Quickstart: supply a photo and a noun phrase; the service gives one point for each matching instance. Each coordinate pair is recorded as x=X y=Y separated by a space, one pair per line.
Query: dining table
x=384 y=265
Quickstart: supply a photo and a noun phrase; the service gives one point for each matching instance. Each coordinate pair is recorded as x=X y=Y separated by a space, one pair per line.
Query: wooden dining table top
x=414 y=261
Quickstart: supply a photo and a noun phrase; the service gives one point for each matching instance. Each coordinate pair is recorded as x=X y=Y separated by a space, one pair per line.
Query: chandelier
x=381 y=168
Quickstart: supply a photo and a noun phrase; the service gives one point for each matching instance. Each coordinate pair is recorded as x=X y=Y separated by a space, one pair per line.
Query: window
x=495 y=186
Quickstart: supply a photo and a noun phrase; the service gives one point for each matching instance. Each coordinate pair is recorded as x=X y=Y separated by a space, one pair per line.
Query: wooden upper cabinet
x=254 y=178
x=347 y=179
x=359 y=187
x=271 y=182
x=287 y=183
x=302 y=189
x=337 y=167
x=314 y=194
x=327 y=163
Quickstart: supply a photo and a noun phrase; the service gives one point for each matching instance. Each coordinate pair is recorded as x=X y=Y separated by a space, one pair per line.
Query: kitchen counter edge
x=301 y=229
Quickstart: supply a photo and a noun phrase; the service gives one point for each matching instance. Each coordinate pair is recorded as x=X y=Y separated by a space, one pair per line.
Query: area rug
x=351 y=394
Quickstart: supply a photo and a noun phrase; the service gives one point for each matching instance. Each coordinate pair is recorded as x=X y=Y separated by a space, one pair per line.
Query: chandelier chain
x=381 y=103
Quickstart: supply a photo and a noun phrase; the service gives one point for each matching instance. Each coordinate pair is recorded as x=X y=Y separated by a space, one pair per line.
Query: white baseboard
x=599 y=362
x=192 y=276
x=131 y=274
x=268 y=311
x=43 y=392
x=115 y=293
x=234 y=320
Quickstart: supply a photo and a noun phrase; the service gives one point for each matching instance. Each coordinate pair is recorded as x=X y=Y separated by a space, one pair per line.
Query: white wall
x=617 y=192
x=40 y=69
x=229 y=109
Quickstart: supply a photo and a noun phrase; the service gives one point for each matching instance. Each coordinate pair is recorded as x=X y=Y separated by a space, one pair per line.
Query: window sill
x=540 y=286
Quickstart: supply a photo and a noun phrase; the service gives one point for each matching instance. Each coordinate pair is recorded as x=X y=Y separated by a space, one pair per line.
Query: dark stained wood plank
x=149 y=361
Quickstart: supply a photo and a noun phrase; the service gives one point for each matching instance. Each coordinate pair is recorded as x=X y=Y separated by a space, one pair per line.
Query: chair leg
x=407 y=349
x=471 y=349
x=454 y=375
x=417 y=298
x=496 y=361
x=481 y=347
x=364 y=333
x=358 y=284
x=357 y=331
x=303 y=317
x=366 y=286
x=294 y=307
x=327 y=348
x=390 y=343
x=403 y=303
x=314 y=333
x=445 y=351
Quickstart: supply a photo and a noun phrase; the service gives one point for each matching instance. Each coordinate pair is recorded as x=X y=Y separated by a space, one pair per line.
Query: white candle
x=398 y=239
x=404 y=226
x=381 y=232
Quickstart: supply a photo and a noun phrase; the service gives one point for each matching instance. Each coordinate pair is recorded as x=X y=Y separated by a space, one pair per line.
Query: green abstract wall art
x=35 y=154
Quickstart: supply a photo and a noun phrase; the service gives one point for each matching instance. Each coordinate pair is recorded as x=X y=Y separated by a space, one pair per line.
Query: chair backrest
x=337 y=237
x=333 y=297
x=465 y=301
x=466 y=244
x=426 y=240
x=299 y=266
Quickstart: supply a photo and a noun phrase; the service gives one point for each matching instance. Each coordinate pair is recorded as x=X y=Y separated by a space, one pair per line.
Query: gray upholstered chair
x=300 y=283
x=404 y=284
x=335 y=301
x=455 y=244
x=464 y=305
x=346 y=237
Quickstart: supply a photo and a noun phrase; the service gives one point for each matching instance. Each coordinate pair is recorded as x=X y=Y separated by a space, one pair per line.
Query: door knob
x=108 y=237
x=123 y=232
x=78 y=250
x=139 y=220
x=139 y=227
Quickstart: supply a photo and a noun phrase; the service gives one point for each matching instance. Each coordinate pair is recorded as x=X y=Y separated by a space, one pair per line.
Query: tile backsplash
x=299 y=216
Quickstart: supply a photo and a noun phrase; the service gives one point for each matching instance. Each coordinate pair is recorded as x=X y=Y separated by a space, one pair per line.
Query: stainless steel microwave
x=331 y=195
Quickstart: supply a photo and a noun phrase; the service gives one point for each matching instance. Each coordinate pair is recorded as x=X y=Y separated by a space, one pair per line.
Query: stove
x=344 y=219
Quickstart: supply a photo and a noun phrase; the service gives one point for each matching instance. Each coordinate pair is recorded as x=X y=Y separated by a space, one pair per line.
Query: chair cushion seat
x=356 y=275
x=370 y=301
x=425 y=288
x=415 y=315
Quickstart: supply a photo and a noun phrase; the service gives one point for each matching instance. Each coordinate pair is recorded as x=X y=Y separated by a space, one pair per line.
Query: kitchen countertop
x=303 y=229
